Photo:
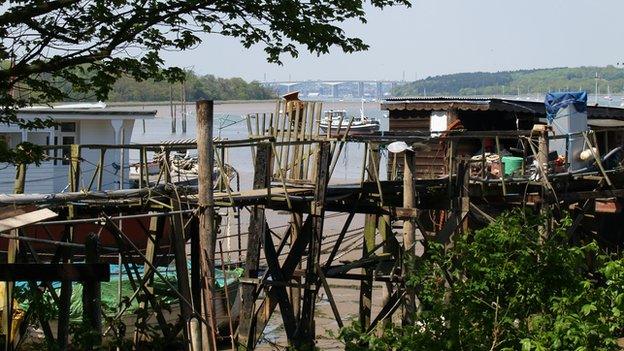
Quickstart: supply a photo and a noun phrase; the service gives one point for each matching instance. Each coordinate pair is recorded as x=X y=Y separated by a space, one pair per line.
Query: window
x=66 y=133
x=69 y=127
x=11 y=139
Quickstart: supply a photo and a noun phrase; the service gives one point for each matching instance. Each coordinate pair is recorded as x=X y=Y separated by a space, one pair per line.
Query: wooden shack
x=430 y=115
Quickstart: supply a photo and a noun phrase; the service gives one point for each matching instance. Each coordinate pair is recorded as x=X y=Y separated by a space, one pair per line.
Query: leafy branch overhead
x=90 y=44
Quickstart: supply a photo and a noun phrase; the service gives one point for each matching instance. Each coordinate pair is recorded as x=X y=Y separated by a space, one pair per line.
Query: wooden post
x=542 y=152
x=409 y=229
x=91 y=293
x=12 y=251
x=179 y=246
x=101 y=170
x=262 y=179
x=370 y=230
x=542 y=159
x=156 y=227
x=207 y=234
x=384 y=227
x=183 y=107
x=306 y=329
x=66 y=286
x=173 y=116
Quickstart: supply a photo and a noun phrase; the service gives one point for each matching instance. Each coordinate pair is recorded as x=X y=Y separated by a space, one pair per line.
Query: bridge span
x=336 y=88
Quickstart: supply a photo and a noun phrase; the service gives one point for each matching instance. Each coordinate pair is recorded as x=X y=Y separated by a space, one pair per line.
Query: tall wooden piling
x=370 y=230
x=66 y=286
x=207 y=233
x=306 y=330
x=92 y=293
x=171 y=110
x=12 y=251
x=409 y=230
x=257 y=227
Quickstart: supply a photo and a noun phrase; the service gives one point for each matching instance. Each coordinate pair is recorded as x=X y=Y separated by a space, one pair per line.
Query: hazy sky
x=441 y=36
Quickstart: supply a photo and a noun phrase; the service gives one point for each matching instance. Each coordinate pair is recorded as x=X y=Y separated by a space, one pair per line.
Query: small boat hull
x=354 y=130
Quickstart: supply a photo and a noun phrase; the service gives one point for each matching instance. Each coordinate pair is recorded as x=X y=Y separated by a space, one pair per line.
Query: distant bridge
x=358 y=86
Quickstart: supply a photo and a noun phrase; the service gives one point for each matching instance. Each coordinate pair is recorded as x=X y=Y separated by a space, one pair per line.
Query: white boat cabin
x=85 y=124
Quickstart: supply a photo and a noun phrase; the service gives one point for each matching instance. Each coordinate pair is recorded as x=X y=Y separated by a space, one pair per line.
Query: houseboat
x=86 y=124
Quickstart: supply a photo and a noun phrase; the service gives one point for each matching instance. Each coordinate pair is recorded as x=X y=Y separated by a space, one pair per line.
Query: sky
x=436 y=37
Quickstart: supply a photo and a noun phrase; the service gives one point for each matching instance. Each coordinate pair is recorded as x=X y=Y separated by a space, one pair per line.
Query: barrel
x=512 y=164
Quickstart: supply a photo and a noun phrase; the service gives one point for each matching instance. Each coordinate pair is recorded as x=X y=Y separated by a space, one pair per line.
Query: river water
x=229 y=123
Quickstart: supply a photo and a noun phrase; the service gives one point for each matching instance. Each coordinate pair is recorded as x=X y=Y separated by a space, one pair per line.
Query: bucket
x=512 y=164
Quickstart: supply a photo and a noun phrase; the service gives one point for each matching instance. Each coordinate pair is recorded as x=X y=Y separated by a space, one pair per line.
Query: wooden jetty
x=286 y=266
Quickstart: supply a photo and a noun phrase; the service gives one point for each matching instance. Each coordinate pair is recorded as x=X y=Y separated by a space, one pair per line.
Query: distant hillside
x=508 y=83
x=197 y=87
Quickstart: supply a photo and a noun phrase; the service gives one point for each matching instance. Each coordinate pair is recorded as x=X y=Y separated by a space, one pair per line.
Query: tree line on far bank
x=522 y=82
x=195 y=87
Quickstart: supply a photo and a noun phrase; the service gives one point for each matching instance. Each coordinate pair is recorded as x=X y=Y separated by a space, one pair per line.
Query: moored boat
x=337 y=122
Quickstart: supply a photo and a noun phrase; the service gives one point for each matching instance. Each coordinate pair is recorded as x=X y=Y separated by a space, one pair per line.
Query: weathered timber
x=61 y=272
x=207 y=234
x=306 y=328
x=262 y=179
x=92 y=293
x=370 y=229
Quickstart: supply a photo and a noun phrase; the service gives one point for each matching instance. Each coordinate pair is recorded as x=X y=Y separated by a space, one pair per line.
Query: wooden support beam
x=267 y=306
x=279 y=292
x=409 y=230
x=154 y=234
x=394 y=301
x=306 y=328
x=12 y=251
x=257 y=227
x=341 y=236
x=92 y=292
x=66 y=287
x=370 y=229
x=61 y=272
x=207 y=234
x=179 y=247
x=330 y=296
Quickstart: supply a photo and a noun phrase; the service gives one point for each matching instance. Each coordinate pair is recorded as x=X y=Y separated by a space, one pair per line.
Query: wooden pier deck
x=286 y=264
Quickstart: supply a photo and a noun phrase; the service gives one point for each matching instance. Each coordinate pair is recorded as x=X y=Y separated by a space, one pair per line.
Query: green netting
x=110 y=300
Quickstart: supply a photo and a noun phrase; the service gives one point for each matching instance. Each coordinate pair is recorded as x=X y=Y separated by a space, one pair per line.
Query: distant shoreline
x=166 y=103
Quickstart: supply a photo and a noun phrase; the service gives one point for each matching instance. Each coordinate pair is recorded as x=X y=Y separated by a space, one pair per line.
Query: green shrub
x=505 y=287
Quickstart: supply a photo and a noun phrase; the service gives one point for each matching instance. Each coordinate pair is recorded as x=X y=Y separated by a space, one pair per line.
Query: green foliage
x=197 y=87
x=51 y=50
x=525 y=81
x=507 y=288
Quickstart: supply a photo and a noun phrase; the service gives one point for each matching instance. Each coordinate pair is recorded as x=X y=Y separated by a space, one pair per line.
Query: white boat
x=338 y=123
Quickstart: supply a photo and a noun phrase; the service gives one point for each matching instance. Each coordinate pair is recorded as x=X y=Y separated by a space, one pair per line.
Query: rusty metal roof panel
x=488 y=104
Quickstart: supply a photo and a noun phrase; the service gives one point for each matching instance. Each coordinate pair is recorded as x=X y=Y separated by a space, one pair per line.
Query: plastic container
x=512 y=164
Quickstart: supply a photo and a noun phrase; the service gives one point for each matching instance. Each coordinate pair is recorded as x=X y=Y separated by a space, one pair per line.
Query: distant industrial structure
x=336 y=89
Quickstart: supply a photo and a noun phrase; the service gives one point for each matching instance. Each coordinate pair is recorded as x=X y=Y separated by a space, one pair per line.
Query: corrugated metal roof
x=487 y=104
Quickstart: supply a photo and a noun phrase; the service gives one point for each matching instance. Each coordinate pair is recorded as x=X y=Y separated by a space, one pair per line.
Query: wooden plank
x=25 y=219
x=69 y=272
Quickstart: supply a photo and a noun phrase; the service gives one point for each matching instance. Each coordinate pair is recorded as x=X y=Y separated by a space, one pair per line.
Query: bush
x=506 y=288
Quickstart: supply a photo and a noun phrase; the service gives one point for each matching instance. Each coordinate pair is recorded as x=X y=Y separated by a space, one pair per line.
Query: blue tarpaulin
x=557 y=101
